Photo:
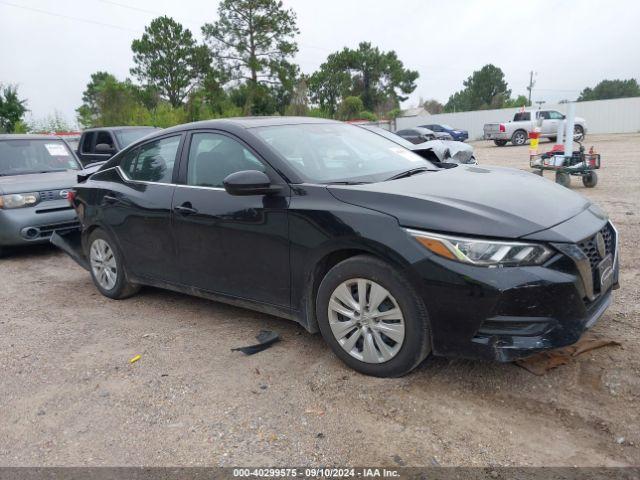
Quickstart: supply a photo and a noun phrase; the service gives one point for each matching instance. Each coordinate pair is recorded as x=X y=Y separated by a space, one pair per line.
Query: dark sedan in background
x=456 y=134
x=36 y=175
x=348 y=233
x=443 y=153
x=420 y=134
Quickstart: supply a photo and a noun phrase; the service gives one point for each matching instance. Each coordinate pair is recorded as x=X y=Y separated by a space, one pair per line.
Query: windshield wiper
x=346 y=183
x=409 y=173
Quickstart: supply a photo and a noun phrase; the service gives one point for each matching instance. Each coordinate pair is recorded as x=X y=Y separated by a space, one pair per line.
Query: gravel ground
x=69 y=396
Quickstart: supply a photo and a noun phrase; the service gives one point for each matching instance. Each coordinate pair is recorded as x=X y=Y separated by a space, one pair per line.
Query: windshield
x=448 y=127
x=35 y=156
x=130 y=135
x=334 y=152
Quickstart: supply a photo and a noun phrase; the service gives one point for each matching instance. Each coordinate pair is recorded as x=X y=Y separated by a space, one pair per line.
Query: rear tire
x=500 y=143
x=519 y=137
x=590 y=180
x=578 y=133
x=360 y=339
x=563 y=179
x=107 y=267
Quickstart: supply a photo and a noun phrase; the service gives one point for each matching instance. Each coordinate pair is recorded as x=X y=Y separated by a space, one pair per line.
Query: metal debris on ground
x=542 y=362
x=265 y=338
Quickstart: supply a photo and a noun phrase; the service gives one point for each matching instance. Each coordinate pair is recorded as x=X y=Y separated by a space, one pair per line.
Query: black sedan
x=348 y=233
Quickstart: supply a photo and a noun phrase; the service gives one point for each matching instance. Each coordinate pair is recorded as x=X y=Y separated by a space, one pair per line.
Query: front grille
x=48 y=195
x=590 y=248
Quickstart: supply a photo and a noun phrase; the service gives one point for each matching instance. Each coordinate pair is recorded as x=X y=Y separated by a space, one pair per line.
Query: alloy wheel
x=519 y=138
x=366 y=320
x=103 y=264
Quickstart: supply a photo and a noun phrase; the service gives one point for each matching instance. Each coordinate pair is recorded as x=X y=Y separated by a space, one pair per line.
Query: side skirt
x=275 y=310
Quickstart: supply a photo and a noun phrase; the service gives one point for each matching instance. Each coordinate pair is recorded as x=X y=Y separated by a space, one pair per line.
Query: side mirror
x=104 y=148
x=249 y=182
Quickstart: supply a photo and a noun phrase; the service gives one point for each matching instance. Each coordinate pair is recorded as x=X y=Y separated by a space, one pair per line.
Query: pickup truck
x=100 y=144
x=517 y=130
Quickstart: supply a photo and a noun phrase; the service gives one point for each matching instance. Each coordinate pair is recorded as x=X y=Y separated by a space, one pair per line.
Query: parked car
x=443 y=153
x=456 y=134
x=517 y=131
x=351 y=234
x=36 y=175
x=416 y=135
x=100 y=144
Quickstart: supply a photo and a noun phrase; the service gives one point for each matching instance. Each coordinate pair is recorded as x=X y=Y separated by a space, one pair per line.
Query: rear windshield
x=130 y=135
x=521 y=117
x=22 y=156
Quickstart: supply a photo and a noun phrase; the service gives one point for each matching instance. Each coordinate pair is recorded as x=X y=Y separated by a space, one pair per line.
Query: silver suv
x=36 y=176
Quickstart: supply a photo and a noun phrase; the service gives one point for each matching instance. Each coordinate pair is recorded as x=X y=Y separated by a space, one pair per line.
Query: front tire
x=578 y=133
x=519 y=137
x=372 y=317
x=590 y=179
x=563 y=179
x=107 y=267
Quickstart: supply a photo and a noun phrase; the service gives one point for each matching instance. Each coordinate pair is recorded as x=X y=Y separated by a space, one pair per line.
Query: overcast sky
x=49 y=48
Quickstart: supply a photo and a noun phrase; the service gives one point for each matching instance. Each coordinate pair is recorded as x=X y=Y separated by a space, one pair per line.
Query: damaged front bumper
x=508 y=313
x=71 y=244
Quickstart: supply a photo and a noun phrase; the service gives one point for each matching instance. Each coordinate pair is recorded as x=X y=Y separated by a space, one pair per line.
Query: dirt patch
x=69 y=396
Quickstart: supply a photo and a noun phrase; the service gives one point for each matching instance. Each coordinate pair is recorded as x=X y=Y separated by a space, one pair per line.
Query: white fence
x=621 y=115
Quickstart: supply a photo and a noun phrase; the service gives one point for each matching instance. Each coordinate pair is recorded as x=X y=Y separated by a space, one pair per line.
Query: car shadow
x=26 y=252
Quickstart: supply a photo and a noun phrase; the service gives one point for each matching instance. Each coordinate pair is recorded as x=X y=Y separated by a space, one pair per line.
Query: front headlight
x=487 y=253
x=19 y=200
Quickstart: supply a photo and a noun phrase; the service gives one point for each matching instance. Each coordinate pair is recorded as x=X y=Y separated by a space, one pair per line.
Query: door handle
x=185 y=209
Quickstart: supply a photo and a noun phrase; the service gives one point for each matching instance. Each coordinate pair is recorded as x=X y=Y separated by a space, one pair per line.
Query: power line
x=190 y=20
x=59 y=15
x=143 y=10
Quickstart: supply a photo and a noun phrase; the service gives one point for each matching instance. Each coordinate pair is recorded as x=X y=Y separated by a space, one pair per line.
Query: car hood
x=491 y=202
x=37 y=182
x=459 y=151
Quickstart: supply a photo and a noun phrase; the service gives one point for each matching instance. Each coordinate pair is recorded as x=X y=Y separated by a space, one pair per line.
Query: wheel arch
x=325 y=263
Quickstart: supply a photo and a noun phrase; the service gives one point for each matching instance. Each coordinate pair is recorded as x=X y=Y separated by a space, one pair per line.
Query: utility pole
x=531 y=84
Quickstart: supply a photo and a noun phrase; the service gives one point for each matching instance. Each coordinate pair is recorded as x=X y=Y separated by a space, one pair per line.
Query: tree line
x=245 y=66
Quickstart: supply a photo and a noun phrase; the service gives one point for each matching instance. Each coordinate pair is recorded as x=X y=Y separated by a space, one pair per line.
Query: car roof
x=124 y=127
x=28 y=136
x=249 y=122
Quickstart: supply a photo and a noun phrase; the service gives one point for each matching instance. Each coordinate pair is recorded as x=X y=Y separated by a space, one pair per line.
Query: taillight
x=71 y=196
x=502 y=128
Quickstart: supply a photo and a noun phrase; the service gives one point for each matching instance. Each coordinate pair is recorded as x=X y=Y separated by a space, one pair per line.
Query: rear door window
x=153 y=161
x=128 y=162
